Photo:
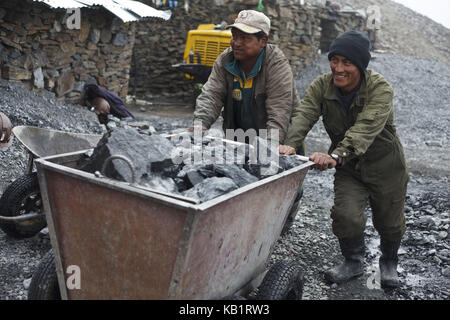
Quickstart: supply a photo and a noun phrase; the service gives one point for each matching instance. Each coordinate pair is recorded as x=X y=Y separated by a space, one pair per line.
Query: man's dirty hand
x=197 y=127
x=322 y=161
x=286 y=150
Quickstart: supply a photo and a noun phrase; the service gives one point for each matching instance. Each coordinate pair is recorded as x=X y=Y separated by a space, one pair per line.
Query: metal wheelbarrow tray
x=131 y=243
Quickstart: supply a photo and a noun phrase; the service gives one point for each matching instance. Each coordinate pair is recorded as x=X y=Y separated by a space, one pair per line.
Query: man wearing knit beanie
x=356 y=106
x=353 y=45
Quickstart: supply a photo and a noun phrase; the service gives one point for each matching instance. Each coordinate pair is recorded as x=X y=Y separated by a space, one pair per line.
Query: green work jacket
x=366 y=132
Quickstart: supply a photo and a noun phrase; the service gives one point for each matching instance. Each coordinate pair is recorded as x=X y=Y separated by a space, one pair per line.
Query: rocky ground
x=422 y=95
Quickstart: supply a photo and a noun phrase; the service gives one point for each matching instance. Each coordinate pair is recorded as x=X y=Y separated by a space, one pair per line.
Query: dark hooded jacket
x=118 y=109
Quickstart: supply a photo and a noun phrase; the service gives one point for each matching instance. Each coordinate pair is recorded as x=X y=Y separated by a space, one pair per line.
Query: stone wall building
x=299 y=29
x=38 y=49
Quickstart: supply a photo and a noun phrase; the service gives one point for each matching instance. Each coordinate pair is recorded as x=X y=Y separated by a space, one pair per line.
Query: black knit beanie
x=353 y=45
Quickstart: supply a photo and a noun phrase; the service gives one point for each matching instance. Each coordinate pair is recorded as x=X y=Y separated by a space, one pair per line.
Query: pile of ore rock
x=181 y=165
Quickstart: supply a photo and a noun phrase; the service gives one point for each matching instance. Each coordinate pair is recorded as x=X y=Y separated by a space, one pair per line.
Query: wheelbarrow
x=117 y=240
x=21 y=214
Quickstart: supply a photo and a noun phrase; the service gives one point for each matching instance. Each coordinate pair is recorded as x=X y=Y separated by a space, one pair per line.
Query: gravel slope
x=406 y=32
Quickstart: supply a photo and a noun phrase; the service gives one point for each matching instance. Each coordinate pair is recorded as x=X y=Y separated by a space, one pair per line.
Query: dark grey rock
x=38 y=78
x=289 y=162
x=78 y=86
x=159 y=182
x=181 y=184
x=105 y=35
x=193 y=174
x=147 y=153
x=237 y=174
x=425 y=221
x=194 y=177
x=446 y=272
x=94 y=35
x=172 y=171
x=211 y=188
x=139 y=124
x=207 y=171
x=120 y=39
x=253 y=169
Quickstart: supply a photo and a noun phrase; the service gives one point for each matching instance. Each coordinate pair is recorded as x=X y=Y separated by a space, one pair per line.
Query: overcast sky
x=438 y=10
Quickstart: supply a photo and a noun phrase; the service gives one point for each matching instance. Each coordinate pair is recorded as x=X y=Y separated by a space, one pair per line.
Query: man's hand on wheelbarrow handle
x=323 y=161
x=286 y=150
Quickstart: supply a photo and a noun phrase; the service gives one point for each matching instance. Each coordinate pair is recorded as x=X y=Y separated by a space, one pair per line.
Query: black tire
x=44 y=283
x=283 y=281
x=21 y=197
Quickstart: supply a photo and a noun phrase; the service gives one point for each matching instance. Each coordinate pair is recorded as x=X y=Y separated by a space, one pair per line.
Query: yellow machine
x=203 y=46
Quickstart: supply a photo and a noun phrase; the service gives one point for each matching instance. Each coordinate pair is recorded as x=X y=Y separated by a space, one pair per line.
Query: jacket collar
x=235 y=69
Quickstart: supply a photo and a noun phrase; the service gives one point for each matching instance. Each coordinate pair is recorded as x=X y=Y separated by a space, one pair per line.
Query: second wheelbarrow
x=21 y=214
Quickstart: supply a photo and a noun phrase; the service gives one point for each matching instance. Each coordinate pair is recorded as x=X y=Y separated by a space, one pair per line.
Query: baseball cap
x=251 y=21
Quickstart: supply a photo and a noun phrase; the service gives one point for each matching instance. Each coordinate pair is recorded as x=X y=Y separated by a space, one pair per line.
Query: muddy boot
x=388 y=263
x=353 y=251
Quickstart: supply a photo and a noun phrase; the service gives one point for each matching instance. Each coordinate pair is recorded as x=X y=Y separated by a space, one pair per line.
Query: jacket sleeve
x=212 y=98
x=369 y=122
x=306 y=114
x=280 y=90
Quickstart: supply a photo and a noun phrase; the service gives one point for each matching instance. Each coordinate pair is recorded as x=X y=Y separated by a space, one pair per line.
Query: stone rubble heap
x=158 y=164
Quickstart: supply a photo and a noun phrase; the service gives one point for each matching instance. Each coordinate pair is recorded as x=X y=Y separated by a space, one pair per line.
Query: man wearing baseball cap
x=356 y=105
x=252 y=81
x=5 y=131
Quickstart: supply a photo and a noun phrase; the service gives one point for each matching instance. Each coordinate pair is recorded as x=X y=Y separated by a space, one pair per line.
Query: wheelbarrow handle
x=303 y=158
x=127 y=161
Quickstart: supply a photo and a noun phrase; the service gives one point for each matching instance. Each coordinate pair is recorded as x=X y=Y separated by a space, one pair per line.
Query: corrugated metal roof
x=126 y=10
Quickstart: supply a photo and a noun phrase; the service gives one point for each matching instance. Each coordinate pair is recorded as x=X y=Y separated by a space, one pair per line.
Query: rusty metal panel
x=125 y=245
x=233 y=240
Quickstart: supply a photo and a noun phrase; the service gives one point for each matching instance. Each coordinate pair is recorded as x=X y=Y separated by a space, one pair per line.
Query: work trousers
x=381 y=183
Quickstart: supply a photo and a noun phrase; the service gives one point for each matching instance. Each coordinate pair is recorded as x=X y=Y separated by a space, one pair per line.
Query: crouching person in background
x=104 y=102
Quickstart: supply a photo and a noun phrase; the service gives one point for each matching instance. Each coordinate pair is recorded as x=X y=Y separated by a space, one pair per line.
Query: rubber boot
x=353 y=250
x=388 y=263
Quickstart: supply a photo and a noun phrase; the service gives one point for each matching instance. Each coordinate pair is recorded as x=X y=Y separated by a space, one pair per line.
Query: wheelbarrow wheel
x=283 y=281
x=23 y=196
x=44 y=283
